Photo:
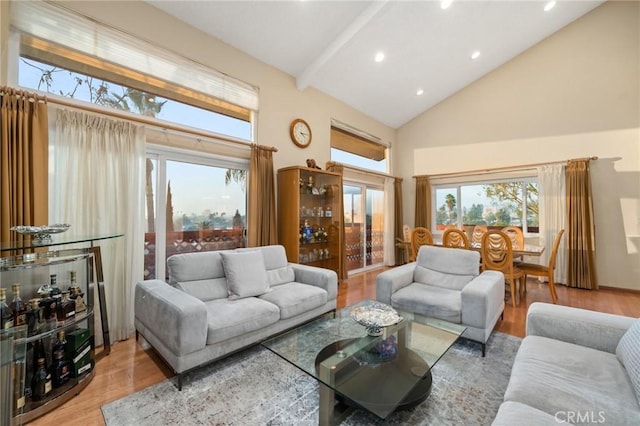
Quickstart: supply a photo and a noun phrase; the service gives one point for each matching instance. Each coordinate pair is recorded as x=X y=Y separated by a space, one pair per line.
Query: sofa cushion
x=227 y=319
x=555 y=376
x=295 y=298
x=430 y=301
x=246 y=274
x=274 y=256
x=195 y=266
x=205 y=290
x=628 y=352
x=279 y=276
x=446 y=267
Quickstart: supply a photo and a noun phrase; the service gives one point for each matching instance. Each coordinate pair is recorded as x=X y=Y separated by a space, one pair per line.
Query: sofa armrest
x=582 y=327
x=482 y=299
x=319 y=277
x=388 y=282
x=178 y=319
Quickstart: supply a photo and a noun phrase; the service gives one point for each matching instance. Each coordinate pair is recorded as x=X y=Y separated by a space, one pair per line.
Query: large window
x=348 y=147
x=43 y=77
x=201 y=207
x=498 y=204
x=55 y=50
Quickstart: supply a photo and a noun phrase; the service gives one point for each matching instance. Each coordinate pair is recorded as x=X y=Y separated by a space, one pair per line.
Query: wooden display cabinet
x=309 y=216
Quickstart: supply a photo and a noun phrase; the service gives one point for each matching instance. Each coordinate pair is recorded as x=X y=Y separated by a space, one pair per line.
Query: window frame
x=457 y=184
x=162 y=154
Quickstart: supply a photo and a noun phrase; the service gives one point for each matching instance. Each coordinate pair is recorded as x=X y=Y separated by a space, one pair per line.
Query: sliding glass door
x=363 y=222
x=201 y=207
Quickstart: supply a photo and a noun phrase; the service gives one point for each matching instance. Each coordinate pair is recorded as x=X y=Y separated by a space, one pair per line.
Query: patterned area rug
x=256 y=387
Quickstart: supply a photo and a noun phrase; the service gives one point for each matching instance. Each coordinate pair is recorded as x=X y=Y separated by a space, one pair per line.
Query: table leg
x=102 y=299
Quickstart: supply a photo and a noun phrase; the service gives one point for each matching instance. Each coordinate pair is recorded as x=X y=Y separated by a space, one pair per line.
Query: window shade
x=349 y=142
x=65 y=38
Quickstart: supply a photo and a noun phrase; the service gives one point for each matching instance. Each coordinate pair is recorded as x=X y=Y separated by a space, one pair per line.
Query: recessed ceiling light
x=444 y=4
x=379 y=57
x=420 y=92
x=549 y=5
x=475 y=55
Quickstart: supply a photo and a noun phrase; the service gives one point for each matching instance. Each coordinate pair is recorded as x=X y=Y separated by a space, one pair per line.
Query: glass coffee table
x=379 y=374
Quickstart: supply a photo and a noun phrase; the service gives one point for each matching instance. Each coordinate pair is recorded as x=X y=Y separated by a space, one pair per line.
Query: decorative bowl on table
x=381 y=353
x=375 y=316
x=41 y=234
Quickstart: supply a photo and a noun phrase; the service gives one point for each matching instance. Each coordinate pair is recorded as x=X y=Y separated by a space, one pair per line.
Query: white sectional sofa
x=221 y=301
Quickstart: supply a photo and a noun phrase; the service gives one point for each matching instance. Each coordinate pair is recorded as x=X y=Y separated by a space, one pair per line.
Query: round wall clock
x=300 y=132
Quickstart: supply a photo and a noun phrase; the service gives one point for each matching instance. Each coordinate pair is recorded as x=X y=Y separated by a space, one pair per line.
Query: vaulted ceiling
x=332 y=45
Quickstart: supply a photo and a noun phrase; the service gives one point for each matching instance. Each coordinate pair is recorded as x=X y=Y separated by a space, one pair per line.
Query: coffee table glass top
x=374 y=373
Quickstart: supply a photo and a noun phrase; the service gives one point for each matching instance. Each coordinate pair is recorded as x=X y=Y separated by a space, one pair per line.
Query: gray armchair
x=446 y=283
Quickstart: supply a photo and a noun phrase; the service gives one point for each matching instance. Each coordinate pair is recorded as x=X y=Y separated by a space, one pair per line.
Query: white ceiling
x=330 y=45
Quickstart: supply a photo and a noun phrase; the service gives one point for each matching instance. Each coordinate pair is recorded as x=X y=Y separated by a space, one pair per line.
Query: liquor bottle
x=48 y=303
x=53 y=284
x=41 y=382
x=76 y=294
x=66 y=308
x=60 y=367
x=34 y=319
x=18 y=307
x=39 y=352
x=6 y=314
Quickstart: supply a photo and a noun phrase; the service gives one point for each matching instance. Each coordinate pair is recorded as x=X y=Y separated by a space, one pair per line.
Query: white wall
x=280 y=101
x=575 y=94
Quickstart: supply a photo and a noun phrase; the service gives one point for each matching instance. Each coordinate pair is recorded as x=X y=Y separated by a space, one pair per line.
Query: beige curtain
x=580 y=228
x=262 y=198
x=343 y=273
x=398 y=213
x=24 y=161
x=423 y=202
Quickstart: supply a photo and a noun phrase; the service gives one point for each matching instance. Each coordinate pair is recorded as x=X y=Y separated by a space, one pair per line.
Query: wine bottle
x=41 y=382
x=6 y=313
x=60 y=367
x=18 y=307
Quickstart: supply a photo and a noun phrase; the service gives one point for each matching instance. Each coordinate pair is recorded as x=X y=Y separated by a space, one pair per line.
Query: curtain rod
x=358 y=169
x=151 y=122
x=505 y=168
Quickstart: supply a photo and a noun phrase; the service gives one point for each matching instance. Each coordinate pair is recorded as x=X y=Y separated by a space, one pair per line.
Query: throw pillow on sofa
x=628 y=352
x=246 y=274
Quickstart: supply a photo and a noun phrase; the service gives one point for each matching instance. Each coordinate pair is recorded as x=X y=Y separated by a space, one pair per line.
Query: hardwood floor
x=133 y=366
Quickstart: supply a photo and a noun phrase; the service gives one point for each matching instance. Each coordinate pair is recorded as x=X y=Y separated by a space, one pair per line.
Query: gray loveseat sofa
x=446 y=283
x=221 y=301
x=574 y=366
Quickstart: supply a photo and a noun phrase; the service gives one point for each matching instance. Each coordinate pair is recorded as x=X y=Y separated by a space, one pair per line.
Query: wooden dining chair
x=478 y=232
x=420 y=236
x=405 y=243
x=544 y=270
x=454 y=237
x=516 y=236
x=497 y=255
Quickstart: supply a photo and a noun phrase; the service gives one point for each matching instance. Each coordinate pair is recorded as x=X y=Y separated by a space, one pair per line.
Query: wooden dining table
x=527 y=250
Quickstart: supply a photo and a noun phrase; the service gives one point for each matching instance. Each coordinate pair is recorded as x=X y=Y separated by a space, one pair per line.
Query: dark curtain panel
x=580 y=229
x=24 y=160
x=423 y=202
x=397 y=224
x=262 y=198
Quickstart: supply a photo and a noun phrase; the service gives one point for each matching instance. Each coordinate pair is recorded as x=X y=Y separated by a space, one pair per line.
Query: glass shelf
x=58 y=239
x=36 y=260
x=52 y=326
